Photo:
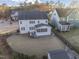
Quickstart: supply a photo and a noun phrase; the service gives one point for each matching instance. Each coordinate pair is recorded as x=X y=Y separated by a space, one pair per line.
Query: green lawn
x=72 y=37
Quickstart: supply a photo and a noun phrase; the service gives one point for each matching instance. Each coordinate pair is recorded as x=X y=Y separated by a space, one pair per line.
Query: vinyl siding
x=27 y=25
x=44 y=33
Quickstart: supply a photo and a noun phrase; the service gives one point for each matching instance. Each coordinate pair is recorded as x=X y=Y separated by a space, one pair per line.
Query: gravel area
x=37 y=46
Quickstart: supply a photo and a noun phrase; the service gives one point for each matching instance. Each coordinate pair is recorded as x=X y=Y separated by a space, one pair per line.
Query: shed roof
x=63 y=12
x=24 y=15
x=59 y=54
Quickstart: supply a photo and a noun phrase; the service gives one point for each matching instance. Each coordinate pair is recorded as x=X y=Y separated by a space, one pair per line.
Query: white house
x=59 y=19
x=34 y=23
x=14 y=15
x=61 y=54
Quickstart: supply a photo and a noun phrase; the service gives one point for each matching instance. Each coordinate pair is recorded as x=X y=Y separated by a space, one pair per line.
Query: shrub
x=33 y=57
x=44 y=57
x=17 y=55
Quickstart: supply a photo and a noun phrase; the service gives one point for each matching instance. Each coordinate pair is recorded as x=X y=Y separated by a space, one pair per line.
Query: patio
x=37 y=46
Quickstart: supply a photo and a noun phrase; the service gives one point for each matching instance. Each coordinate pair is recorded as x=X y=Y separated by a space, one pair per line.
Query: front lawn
x=72 y=37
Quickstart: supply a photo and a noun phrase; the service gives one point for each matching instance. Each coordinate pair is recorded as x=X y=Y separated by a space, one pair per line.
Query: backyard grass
x=72 y=37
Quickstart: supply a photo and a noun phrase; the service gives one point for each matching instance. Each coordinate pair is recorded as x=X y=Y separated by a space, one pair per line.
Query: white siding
x=27 y=25
x=44 y=33
x=54 y=18
x=59 y=27
x=24 y=24
x=64 y=27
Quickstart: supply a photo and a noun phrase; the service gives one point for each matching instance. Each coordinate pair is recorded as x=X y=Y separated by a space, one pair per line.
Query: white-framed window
x=22 y=28
x=31 y=28
x=20 y=22
x=42 y=30
x=38 y=22
x=46 y=21
x=32 y=22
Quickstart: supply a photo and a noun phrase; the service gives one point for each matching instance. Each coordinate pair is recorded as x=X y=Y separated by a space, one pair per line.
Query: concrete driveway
x=38 y=46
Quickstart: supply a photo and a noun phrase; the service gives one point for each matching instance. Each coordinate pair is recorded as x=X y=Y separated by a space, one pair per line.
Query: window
x=20 y=22
x=38 y=30
x=22 y=28
x=42 y=30
x=32 y=22
x=38 y=21
x=31 y=28
x=46 y=21
x=54 y=13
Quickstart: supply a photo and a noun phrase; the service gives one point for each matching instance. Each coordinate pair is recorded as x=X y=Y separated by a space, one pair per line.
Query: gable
x=63 y=12
x=55 y=16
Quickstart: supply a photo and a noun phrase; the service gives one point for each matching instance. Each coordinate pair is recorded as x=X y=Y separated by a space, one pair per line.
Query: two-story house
x=34 y=23
x=59 y=19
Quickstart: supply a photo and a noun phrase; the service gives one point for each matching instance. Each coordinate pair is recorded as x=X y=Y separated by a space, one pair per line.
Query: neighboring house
x=59 y=19
x=14 y=15
x=34 y=23
x=61 y=54
x=74 y=17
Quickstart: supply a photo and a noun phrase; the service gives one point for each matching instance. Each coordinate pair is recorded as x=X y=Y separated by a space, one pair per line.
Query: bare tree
x=74 y=4
x=59 y=4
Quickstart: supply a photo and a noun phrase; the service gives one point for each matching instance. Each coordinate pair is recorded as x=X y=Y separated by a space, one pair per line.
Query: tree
x=47 y=2
x=21 y=4
x=74 y=4
x=59 y=4
x=52 y=2
x=36 y=2
x=4 y=11
x=25 y=3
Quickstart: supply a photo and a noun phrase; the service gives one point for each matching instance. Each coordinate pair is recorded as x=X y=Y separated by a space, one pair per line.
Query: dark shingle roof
x=59 y=54
x=39 y=25
x=24 y=15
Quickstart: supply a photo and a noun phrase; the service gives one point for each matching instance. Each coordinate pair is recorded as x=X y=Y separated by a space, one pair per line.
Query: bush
x=44 y=57
x=26 y=57
x=33 y=57
x=0 y=52
x=22 y=56
x=18 y=31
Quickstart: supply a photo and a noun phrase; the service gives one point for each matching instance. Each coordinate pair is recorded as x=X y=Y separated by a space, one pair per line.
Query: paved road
x=7 y=28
